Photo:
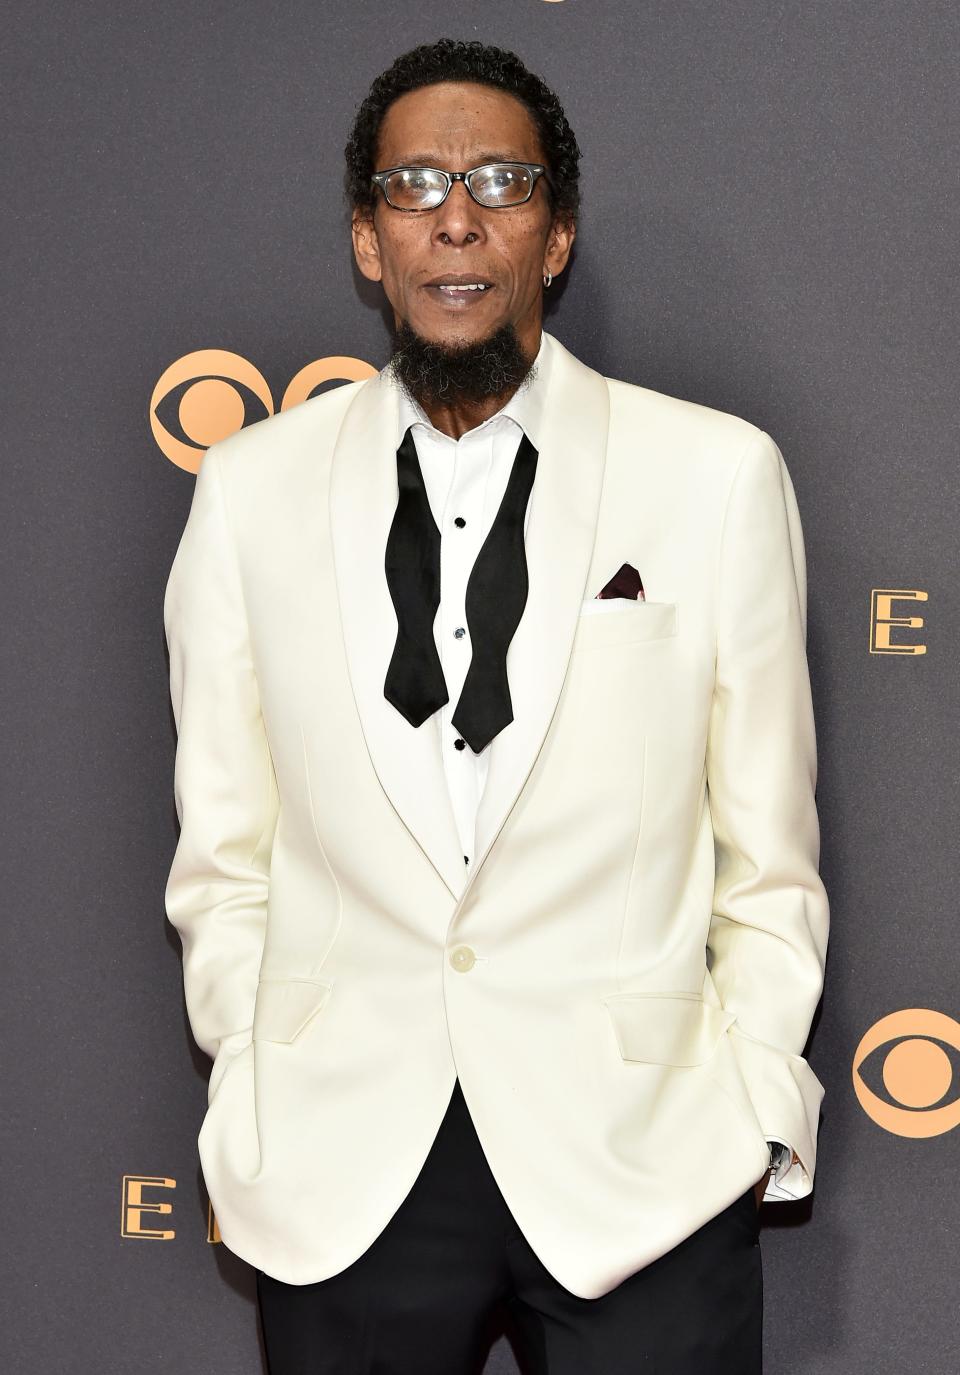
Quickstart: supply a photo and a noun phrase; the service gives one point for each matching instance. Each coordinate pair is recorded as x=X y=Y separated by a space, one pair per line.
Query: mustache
x=469 y=373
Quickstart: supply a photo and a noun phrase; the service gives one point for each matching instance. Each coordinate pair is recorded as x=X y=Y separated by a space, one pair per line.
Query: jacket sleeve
x=224 y=782
x=767 y=942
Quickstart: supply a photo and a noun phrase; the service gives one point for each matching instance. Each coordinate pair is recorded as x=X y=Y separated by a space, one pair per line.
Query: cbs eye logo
x=207 y=395
x=906 y=1073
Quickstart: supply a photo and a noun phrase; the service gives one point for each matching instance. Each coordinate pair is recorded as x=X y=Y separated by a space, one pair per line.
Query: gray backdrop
x=770 y=227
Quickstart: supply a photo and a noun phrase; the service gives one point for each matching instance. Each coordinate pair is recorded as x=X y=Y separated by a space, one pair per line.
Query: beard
x=458 y=374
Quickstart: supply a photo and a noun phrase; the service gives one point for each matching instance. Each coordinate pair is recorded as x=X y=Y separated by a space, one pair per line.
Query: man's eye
x=502 y=185
x=417 y=180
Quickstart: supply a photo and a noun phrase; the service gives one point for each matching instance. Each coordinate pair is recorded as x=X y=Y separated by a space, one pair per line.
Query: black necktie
x=495 y=597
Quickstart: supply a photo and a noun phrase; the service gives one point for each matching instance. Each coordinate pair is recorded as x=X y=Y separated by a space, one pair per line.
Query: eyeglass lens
x=422 y=188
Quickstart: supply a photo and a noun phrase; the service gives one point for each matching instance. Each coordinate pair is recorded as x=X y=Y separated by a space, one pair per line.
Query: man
x=498 y=872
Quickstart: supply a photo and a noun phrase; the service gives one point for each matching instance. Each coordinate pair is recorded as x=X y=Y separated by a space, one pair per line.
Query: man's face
x=456 y=126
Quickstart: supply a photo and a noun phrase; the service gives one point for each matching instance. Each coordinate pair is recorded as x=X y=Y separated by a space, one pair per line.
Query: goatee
x=458 y=374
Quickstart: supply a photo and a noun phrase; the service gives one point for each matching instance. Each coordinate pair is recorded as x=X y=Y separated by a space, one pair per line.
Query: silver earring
x=548 y=278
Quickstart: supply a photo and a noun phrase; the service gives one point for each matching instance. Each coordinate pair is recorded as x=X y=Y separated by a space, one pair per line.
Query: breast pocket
x=629 y=623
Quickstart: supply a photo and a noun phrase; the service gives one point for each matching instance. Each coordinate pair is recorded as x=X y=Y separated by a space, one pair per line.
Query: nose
x=459 y=220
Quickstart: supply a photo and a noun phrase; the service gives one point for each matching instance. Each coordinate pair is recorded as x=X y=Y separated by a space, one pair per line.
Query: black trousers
x=423 y=1298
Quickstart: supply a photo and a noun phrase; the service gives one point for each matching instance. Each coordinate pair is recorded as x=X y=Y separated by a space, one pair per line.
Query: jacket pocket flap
x=625 y=622
x=285 y=1006
x=666 y=1028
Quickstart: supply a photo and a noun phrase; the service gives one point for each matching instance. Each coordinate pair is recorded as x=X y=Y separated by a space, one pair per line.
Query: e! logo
x=883 y=621
x=207 y=395
x=906 y=1092
x=134 y=1207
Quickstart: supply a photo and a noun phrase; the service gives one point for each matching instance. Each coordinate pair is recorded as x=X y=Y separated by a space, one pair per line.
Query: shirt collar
x=525 y=407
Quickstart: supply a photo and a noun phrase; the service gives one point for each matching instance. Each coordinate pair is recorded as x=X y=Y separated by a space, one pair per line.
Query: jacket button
x=462 y=959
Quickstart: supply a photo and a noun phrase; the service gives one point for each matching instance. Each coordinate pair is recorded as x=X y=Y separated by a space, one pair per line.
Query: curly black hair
x=450 y=60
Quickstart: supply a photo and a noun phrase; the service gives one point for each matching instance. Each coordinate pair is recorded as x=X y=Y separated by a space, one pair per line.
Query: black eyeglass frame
x=535 y=169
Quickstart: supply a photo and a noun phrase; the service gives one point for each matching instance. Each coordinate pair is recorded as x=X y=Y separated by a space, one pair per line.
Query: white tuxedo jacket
x=626 y=979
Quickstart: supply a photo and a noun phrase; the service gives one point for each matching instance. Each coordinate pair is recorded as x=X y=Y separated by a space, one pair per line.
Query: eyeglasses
x=495 y=185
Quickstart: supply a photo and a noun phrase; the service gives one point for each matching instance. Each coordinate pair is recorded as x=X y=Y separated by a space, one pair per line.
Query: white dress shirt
x=465 y=480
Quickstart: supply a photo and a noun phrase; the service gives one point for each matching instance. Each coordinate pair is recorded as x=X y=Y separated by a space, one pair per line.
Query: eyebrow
x=434 y=160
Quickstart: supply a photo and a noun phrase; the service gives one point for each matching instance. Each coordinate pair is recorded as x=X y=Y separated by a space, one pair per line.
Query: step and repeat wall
x=771 y=215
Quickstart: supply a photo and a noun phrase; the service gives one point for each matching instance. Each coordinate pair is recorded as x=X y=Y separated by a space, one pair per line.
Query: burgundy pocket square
x=624 y=583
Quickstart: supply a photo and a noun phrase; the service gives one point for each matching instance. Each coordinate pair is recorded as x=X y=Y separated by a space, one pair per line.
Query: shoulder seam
x=752 y=439
x=228 y=526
